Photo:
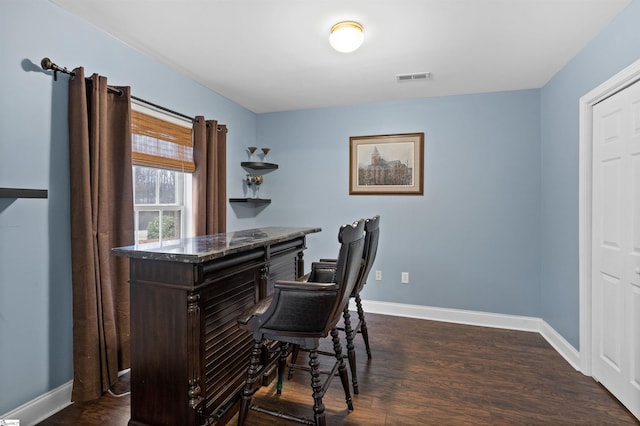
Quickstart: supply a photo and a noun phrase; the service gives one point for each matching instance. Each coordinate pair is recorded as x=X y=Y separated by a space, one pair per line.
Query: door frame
x=624 y=78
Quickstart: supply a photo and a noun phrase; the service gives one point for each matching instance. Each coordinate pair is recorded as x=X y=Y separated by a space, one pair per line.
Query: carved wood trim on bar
x=193 y=346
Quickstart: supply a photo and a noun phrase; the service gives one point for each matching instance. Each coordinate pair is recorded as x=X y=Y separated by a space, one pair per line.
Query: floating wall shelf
x=256 y=168
x=250 y=200
x=257 y=165
x=23 y=193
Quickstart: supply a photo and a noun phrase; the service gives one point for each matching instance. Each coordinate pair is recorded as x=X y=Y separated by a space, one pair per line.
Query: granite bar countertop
x=208 y=247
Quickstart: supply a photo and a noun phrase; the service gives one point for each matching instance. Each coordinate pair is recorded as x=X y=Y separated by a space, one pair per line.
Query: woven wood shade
x=159 y=143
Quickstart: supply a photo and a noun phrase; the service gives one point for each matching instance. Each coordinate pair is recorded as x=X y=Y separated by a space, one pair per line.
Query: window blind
x=159 y=143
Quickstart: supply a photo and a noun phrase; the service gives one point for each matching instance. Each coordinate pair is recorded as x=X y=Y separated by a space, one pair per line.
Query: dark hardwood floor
x=423 y=373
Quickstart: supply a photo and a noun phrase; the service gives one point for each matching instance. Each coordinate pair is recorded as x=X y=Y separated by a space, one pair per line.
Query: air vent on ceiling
x=418 y=76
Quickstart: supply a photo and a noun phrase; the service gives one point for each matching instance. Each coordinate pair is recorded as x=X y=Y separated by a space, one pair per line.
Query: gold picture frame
x=386 y=164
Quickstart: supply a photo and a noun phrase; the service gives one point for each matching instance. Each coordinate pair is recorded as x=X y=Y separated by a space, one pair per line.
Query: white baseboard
x=45 y=405
x=564 y=348
x=42 y=407
x=484 y=319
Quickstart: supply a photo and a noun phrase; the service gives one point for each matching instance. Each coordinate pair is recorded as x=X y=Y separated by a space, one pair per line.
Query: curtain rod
x=47 y=64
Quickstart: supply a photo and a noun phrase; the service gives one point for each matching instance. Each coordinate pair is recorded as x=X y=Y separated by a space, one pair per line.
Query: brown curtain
x=101 y=218
x=209 y=179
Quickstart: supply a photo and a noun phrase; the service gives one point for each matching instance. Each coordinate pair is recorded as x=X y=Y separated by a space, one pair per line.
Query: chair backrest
x=300 y=311
x=372 y=234
x=348 y=266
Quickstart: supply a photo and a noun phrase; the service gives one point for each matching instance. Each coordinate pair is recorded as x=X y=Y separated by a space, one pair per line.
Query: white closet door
x=616 y=246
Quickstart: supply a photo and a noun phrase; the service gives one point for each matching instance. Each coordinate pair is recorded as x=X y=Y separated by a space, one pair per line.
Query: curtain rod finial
x=46 y=63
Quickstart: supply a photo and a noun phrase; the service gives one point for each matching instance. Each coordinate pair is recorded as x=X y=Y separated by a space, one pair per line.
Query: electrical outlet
x=404 y=278
x=378 y=275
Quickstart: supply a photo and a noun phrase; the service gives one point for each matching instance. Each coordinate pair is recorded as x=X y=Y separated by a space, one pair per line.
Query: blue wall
x=612 y=50
x=496 y=230
x=35 y=272
x=471 y=242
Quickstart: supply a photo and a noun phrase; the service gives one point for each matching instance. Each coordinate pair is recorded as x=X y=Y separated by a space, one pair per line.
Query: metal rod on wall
x=47 y=64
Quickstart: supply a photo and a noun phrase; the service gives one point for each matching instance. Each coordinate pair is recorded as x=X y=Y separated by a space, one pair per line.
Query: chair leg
x=249 y=387
x=363 y=325
x=282 y=365
x=342 y=370
x=316 y=385
x=294 y=358
x=351 y=352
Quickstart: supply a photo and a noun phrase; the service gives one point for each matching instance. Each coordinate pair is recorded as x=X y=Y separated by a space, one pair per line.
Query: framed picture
x=386 y=164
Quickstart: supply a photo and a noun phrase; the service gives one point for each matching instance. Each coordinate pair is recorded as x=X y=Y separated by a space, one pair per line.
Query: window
x=162 y=162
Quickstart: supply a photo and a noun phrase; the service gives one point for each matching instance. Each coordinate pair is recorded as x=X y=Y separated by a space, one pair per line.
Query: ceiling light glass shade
x=346 y=36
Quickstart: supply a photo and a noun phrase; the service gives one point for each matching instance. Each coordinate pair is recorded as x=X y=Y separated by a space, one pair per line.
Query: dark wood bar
x=188 y=356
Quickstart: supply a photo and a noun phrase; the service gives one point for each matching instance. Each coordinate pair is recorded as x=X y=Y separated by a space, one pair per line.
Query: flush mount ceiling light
x=346 y=36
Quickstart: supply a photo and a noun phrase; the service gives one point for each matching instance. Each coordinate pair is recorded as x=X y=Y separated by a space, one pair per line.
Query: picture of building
x=385 y=172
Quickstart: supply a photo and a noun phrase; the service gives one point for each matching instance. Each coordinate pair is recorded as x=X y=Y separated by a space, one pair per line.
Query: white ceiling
x=274 y=55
